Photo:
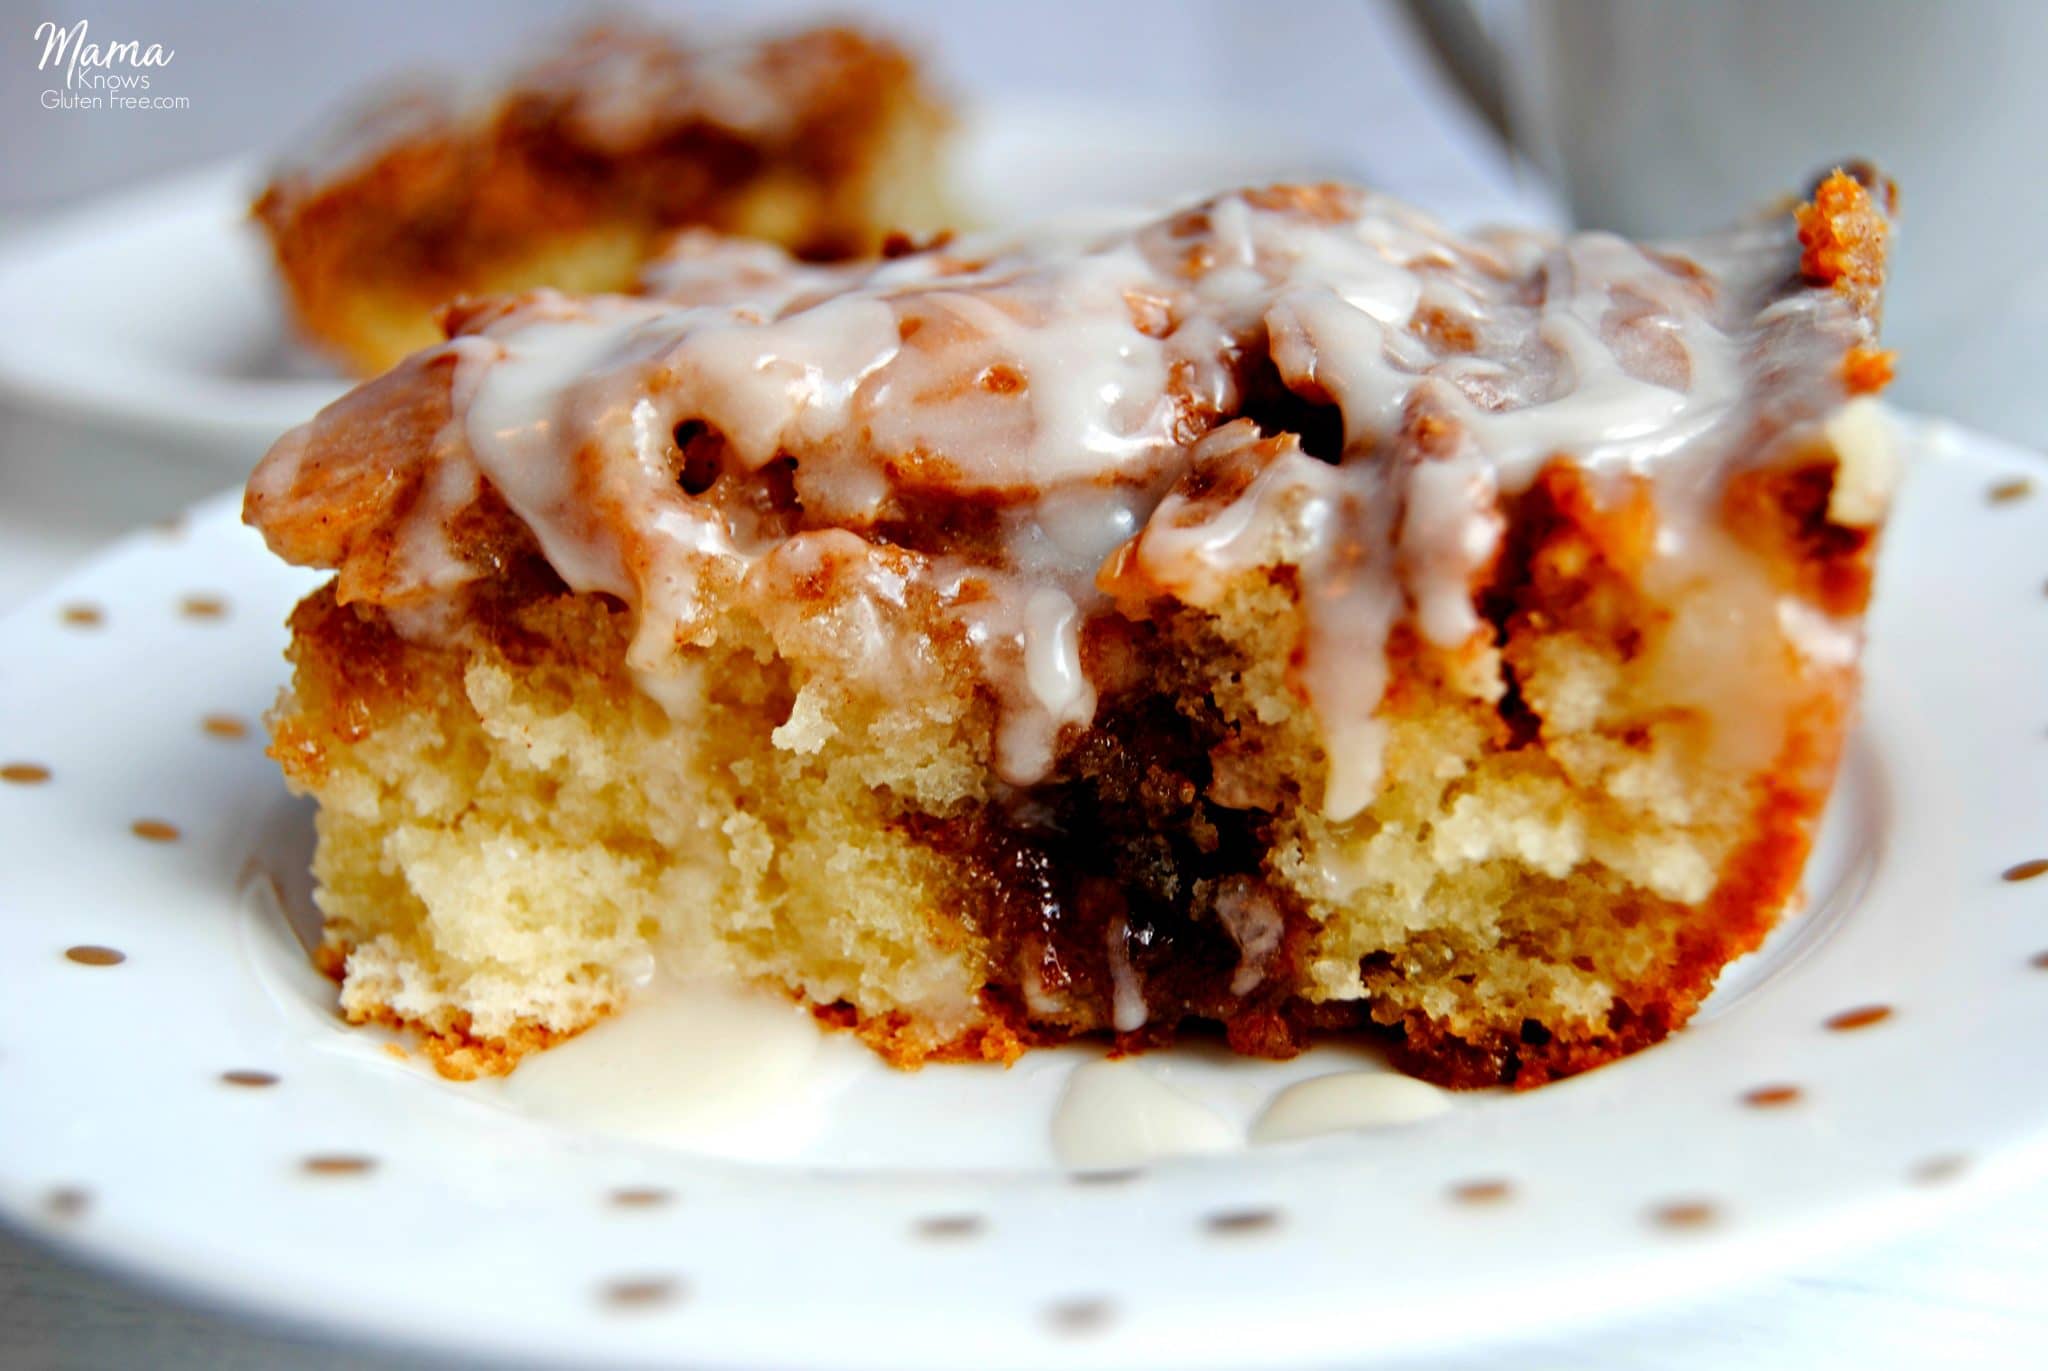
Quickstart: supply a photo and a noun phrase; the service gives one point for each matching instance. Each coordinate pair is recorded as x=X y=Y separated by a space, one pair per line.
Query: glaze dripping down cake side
x=575 y=171
x=1283 y=615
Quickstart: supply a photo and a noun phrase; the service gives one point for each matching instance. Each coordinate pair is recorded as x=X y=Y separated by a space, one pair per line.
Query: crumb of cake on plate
x=1282 y=615
x=575 y=172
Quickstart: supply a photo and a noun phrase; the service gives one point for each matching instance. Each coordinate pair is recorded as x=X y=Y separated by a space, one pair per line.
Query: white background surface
x=1974 y=1292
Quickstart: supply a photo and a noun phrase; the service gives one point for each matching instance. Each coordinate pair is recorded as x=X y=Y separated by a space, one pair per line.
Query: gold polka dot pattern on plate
x=1939 y=1170
x=1482 y=1192
x=1120 y=1176
x=641 y=1197
x=1235 y=1223
x=2040 y=961
x=154 y=831
x=66 y=1202
x=90 y=954
x=203 y=607
x=950 y=1227
x=2005 y=492
x=338 y=1164
x=1773 y=1096
x=24 y=773
x=248 y=1080
x=2025 y=871
x=1079 y=1316
x=1685 y=1215
x=82 y=616
x=642 y=1292
x=224 y=726
x=1861 y=1017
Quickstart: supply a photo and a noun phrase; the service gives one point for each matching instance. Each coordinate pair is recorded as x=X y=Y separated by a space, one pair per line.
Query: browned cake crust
x=575 y=173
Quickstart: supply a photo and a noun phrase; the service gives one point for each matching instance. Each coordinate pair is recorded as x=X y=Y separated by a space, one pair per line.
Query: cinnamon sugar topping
x=949 y=461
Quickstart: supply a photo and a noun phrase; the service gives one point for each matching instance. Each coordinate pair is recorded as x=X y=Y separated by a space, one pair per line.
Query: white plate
x=918 y=1220
x=156 y=310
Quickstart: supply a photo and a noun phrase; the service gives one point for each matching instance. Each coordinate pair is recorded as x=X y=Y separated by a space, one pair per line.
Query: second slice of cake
x=576 y=169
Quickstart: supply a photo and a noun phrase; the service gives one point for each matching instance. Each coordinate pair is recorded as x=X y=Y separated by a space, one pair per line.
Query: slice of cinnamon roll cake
x=1282 y=617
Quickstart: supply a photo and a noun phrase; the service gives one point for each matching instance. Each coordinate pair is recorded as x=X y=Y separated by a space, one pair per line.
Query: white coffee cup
x=1657 y=118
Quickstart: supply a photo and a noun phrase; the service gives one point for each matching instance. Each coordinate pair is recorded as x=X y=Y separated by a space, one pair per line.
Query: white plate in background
x=922 y=1222
x=155 y=310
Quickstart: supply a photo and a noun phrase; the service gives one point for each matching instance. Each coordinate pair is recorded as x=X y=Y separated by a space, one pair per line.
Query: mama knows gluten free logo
x=94 y=75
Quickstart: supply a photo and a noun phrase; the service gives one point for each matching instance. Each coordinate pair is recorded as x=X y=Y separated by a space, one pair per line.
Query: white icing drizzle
x=1127 y=1013
x=950 y=447
x=617 y=82
x=1348 y=1102
x=696 y=1063
x=1255 y=924
x=1117 y=1114
x=616 y=85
